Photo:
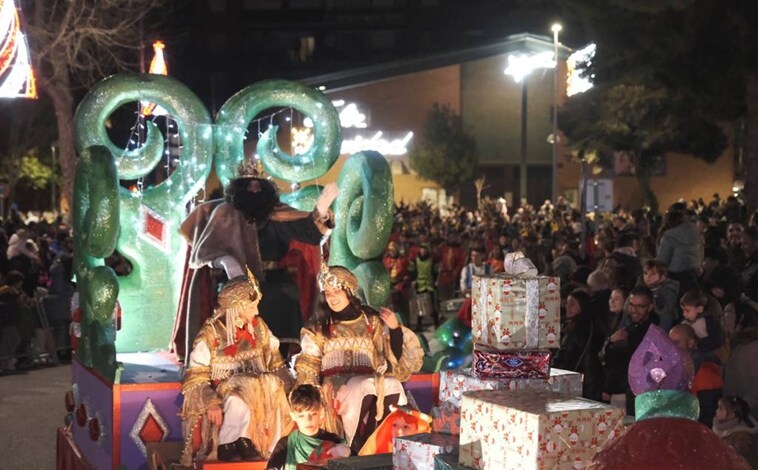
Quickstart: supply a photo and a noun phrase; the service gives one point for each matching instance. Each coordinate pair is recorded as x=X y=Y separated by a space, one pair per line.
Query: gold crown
x=338 y=277
x=240 y=290
x=250 y=168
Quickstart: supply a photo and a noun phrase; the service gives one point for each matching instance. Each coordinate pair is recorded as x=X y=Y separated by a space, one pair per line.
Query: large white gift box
x=539 y=430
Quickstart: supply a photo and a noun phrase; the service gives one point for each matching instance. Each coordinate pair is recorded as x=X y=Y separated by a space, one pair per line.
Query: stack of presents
x=510 y=410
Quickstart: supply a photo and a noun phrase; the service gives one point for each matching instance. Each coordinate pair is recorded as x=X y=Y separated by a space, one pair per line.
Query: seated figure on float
x=358 y=355
x=235 y=385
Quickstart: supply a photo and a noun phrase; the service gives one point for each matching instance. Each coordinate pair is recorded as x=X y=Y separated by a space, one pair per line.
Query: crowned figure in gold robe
x=235 y=386
x=359 y=356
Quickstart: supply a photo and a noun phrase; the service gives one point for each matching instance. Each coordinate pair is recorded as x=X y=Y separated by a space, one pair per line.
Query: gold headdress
x=234 y=296
x=251 y=168
x=339 y=277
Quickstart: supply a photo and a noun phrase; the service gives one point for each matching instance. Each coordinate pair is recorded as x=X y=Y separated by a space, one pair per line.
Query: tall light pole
x=556 y=28
x=519 y=67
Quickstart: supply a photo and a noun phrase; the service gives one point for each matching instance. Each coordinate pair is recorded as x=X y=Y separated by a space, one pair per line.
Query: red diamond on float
x=151 y=431
x=148 y=427
x=153 y=227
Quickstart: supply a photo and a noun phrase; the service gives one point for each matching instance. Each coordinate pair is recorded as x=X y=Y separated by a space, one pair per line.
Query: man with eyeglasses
x=641 y=308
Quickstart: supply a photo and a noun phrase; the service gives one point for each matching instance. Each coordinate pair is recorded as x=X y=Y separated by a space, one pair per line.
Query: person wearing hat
x=235 y=384
x=666 y=434
x=249 y=227
x=357 y=355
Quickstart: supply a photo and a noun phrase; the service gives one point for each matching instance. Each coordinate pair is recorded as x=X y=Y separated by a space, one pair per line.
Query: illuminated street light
x=556 y=28
x=519 y=67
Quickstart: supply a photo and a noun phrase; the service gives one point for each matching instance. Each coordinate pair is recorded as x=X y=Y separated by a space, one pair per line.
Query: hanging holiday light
x=16 y=74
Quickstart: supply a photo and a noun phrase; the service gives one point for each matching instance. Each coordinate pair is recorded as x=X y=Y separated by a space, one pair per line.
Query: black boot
x=228 y=452
x=247 y=450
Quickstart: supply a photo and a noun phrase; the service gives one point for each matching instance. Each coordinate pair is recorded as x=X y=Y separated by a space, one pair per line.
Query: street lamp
x=556 y=28
x=519 y=67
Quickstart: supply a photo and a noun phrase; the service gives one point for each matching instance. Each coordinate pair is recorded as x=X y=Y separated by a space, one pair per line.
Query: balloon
x=453 y=333
x=454 y=360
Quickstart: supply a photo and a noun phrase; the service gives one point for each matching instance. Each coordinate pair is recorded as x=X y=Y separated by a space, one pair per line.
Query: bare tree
x=480 y=185
x=75 y=44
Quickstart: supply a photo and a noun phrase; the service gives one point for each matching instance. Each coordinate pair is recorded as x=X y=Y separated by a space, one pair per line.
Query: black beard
x=255 y=207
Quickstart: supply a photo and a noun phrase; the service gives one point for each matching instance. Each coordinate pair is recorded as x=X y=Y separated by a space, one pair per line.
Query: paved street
x=31 y=409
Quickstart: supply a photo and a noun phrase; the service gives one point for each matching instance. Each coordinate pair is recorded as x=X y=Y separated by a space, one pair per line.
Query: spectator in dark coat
x=581 y=341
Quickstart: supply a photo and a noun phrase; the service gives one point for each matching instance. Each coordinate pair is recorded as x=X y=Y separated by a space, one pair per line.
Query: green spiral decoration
x=237 y=113
x=96 y=227
x=363 y=222
x=150 y=219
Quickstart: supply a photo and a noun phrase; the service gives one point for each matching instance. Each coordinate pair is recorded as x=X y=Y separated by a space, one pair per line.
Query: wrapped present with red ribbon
x=491 y=363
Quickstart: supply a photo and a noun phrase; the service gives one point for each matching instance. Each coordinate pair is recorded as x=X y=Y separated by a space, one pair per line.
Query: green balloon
x=237 y=113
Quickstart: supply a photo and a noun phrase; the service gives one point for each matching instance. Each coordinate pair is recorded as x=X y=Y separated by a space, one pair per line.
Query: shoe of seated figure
x=247 y=450
x=228 y=452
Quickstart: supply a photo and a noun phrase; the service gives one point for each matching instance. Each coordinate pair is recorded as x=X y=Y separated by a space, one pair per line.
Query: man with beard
x=249 y=227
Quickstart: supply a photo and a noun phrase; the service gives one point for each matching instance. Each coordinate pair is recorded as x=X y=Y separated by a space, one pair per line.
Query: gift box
x=448 y=462
x=492 y=363
x=504 y=429
x=516 y=313
x=366 y=462
x=454 y=382
x=417 y=452
x=446 y=418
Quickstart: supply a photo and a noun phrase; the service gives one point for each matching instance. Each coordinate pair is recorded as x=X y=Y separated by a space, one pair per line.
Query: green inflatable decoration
x=237 y=113
x=149 y=236
x=149 y=219
x=363 y=222
x=96 y=227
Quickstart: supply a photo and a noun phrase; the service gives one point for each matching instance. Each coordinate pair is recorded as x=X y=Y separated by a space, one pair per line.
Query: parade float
x=126 y=386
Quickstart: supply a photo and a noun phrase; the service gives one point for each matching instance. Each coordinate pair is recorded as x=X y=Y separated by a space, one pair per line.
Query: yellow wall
x=686 y=178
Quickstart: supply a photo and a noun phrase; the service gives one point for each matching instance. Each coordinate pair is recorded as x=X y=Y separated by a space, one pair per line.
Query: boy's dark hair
x=694 y=298
x=657 y=265
x=305 y=397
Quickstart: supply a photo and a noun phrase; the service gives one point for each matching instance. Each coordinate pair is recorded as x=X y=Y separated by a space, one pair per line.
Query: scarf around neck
x=299 y=448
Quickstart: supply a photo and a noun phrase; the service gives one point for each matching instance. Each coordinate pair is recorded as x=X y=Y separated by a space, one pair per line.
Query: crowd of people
x=693 y=272
x=36 y=257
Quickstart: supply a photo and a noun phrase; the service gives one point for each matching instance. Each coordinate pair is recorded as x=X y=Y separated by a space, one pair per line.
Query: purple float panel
x=91 y=390
x=141 y=407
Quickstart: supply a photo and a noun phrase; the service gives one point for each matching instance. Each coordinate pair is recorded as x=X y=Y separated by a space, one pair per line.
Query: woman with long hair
x=581 y=340
x=358 y=356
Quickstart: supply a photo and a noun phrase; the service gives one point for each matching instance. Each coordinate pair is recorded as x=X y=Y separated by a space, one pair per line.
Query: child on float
x=235 y=385
x=359 y=356
x=309 y=442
